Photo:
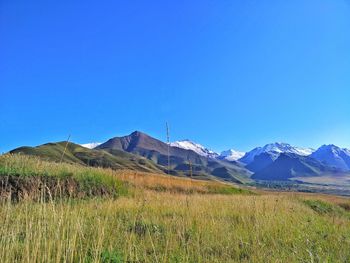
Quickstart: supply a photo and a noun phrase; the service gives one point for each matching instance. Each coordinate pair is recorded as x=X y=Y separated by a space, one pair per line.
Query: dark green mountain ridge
x=81 y=155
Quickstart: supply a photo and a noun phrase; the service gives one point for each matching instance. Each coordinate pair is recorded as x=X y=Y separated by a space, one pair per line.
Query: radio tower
x=168 y=142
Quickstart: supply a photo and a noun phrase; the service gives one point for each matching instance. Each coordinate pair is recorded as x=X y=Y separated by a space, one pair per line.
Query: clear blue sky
x=226 y=74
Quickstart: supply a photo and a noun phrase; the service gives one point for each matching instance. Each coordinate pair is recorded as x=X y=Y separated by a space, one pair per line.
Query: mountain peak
x=137 y=133
x=333 y=155
x=331 y=147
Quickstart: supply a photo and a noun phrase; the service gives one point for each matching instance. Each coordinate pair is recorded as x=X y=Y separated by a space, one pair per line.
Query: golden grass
x=171 y=225
x=166 y=183
x=167 y=227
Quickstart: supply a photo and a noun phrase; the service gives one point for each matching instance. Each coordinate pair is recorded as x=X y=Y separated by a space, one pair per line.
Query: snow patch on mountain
x=231 y=155
x=304 y=151
x=197 y=148
x=91 y=145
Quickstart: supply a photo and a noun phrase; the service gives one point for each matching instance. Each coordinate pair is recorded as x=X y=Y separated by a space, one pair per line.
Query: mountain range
x=282 y=161
x=182 y=160
x=139 y=151
x=274 y=150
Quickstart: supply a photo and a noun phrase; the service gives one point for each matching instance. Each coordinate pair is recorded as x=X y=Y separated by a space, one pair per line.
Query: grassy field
x=148 y=217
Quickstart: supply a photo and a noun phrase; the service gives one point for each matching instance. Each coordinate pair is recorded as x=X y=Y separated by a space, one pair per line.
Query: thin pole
x=168 y=142
x=65 y=148
x=191 y=171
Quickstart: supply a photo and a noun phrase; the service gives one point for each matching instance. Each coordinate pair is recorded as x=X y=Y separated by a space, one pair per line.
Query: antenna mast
x=168 y=142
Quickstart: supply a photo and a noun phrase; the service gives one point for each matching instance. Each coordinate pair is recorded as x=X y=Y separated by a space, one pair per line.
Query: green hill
x=84 y=156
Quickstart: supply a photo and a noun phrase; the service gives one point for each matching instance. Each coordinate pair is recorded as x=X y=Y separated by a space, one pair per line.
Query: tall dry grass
x=168 y=225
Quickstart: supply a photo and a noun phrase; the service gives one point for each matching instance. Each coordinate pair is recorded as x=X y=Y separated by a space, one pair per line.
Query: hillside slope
x=81 y=155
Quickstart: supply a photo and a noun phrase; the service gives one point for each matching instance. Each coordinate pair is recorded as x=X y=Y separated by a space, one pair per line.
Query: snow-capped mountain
x=197 y=148
x=274 y=150
x=231 y=155
x=91 y=145
x=333 y=155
